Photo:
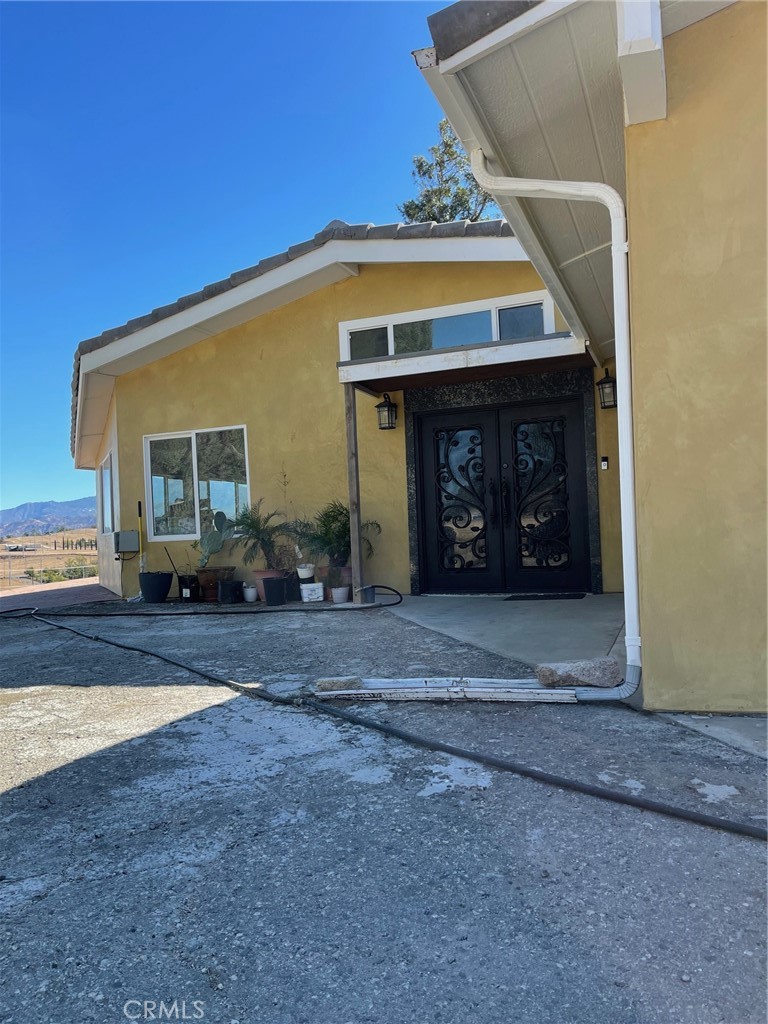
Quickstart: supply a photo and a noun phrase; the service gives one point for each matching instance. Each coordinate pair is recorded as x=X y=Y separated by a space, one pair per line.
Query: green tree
x=447 y=188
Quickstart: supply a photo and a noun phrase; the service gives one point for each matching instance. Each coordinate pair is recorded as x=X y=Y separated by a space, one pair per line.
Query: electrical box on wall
x=126 y=542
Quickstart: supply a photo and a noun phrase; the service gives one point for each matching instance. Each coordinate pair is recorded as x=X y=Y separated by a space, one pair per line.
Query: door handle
x=506 y=502
x=493 y=516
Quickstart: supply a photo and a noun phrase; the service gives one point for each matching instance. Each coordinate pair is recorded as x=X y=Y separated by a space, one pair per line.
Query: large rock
x=343 y=683
x=604 y=672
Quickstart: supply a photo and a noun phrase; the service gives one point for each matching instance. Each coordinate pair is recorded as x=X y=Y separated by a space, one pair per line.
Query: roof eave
x=334 y=261
x=459 y=110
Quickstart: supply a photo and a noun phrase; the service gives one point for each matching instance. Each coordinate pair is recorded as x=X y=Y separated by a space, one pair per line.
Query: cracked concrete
x=168 y=839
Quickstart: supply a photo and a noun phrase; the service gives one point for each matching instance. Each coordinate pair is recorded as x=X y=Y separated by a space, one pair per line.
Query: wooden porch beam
x=353 y=477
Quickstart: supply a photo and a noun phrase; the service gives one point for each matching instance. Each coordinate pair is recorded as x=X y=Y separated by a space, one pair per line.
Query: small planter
x=311 y=592
x=306 y=572
x=189 y=588
x=250 y=593
x=265 y=574
x=274 y=590
x=230 y=592
x=340 y=595
x=208 y=579
x=155 y=586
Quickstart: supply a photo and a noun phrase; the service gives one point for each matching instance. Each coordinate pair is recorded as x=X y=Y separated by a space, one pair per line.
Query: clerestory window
x=509 y=319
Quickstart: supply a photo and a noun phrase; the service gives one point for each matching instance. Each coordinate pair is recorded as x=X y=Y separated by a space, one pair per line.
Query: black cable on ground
x=489 y=760
x=183 y=609
x=391 y=590
x=657 y=806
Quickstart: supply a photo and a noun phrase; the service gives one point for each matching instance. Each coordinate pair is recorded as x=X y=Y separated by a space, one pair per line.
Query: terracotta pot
x=209 y=577
x=265 y=574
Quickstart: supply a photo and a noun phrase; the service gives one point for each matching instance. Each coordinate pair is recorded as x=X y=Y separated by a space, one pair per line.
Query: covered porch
x=530 y=631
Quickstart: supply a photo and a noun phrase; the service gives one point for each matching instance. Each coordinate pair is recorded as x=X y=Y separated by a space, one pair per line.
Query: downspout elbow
x=539 y=188
x=599 y=192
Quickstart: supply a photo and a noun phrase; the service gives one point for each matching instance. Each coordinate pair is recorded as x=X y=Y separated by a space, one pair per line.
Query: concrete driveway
x=171 y=841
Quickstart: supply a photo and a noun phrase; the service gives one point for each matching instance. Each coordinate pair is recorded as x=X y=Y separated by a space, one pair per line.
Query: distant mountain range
x=47 y=517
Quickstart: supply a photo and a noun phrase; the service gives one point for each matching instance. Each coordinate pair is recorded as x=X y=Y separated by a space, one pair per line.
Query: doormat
x=569 y=596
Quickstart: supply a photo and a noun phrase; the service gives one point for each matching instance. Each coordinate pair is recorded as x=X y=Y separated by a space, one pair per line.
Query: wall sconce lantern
x=607 y=389
x=387 y=413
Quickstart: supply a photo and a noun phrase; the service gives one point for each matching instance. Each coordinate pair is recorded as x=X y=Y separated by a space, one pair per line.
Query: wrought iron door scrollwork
x=460 y=494
x=542 y=518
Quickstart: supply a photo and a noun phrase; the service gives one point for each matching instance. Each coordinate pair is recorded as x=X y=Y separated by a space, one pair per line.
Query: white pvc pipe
x=597 y=192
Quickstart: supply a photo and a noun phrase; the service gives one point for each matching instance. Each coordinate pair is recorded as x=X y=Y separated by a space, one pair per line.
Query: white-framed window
x=190 y=476
x=106 y=497
x=506 y=318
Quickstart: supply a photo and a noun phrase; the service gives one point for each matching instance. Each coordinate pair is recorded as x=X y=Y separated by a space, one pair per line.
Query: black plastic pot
x=155 y=586
x=189 y=588
x=230 y=591
x=274 y=591
x=292 y=588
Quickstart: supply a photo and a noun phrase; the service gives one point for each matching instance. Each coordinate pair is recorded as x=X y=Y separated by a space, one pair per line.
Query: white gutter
x=597 y=192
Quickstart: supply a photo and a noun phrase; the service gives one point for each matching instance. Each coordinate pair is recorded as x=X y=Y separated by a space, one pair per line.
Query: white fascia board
x=479 y=249
x=505 y=34
x=641 y=61
x=459 y=109
x=460 y=359
x=94 y=395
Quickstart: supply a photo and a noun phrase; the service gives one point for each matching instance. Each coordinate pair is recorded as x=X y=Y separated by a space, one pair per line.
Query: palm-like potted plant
x=261 y=534
x=211 y=543
x=328 y=535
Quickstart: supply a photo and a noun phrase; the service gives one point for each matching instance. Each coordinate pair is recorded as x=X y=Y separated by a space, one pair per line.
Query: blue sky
x=151 y=148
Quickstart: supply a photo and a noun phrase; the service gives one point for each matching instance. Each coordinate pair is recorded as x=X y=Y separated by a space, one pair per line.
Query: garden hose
x=502 y=764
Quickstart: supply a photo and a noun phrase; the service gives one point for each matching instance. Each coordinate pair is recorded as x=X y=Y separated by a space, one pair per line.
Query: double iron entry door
x=503 y=499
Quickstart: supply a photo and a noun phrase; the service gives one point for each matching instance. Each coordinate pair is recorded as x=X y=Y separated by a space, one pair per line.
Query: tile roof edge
x=337 y=230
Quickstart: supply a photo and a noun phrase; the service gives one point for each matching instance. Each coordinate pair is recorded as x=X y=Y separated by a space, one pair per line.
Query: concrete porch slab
x=530 y=631
x=744 y=732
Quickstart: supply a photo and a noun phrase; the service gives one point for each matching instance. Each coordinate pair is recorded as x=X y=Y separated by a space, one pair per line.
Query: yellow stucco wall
x=607 y=441
x=277 y=375
x=109 y=568
x=697 y=224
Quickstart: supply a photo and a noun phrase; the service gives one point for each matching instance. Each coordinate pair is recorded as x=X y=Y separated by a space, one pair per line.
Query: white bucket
x=340 y=595
x=311 y=592
x=306 y=571
x=250 y=593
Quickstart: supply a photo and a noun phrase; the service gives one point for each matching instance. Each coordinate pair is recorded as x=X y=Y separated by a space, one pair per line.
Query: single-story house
x=625 y=142
x=625 y=145
x=249 y=388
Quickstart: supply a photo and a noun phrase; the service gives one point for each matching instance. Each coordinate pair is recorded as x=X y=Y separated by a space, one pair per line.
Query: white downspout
x=597 y=192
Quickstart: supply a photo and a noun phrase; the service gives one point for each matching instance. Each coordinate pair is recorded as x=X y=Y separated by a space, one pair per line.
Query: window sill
x=485 y=354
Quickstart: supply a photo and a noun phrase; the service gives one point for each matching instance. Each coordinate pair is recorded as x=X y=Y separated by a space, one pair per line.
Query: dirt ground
x=46 y=552
x=168 y=840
